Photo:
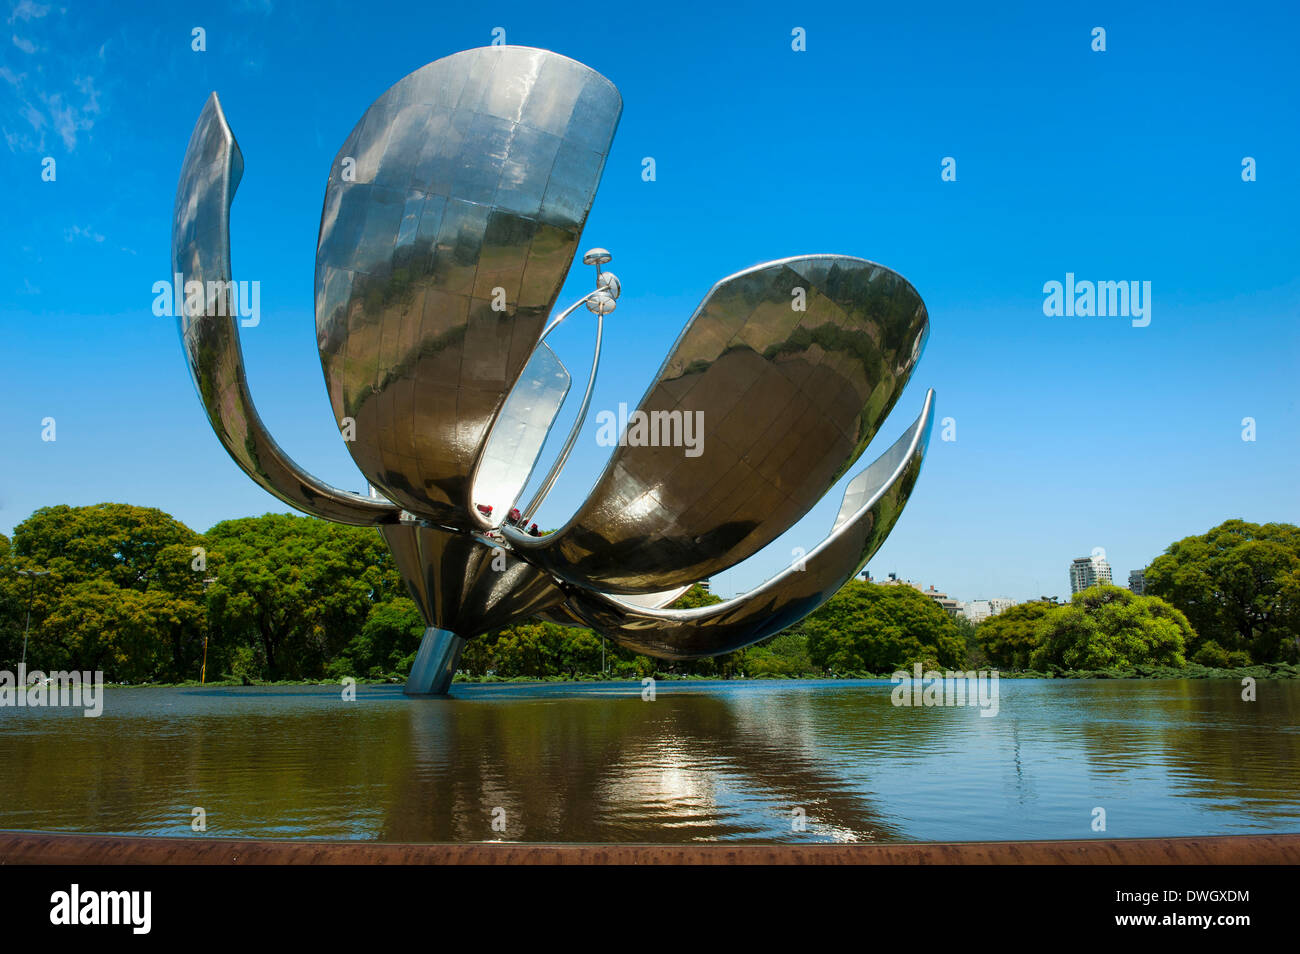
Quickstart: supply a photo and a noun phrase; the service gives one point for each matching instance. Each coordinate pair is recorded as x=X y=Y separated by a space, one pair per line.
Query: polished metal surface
x=210 y=175
x=435 y=663
x=519 y=433
x=548 y=482
x=788 y=399
x=465 y=582
x=883 y=488
x=451 y=217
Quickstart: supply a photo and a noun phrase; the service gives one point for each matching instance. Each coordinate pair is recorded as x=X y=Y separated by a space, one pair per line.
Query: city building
x=1088 y=571
x=979 y=610
x=1137 y=581
x=952 y=606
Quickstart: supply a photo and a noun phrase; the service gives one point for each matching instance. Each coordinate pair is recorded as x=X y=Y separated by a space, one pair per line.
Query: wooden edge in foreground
x=18 y=847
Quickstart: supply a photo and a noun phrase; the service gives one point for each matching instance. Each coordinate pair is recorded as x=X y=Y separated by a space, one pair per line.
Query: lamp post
x=203 y=673
x=31 y=591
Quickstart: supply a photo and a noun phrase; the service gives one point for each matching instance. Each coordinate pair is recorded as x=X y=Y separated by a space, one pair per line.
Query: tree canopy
x=874 y=628
x=1105 y=627
x=1010 y=637
x=296 y=590
x=119 y=592
x=1239 y=587
x=136 y=593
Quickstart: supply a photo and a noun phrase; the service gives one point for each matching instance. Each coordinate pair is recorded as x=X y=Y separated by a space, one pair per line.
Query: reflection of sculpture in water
x=701 y=766
x=451 y=217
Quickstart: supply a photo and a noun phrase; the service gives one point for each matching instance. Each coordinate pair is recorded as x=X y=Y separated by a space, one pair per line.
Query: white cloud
x=77 y=232
x=49 y=107
x=26 y=10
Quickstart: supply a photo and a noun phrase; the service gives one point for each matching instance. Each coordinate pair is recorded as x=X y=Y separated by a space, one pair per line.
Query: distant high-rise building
x=1088 y=571
x=1137 y=581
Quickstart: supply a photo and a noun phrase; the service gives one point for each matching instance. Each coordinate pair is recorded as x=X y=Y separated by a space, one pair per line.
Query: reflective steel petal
x=880 y=493
x=201 y=253
x=787 y=399
x=451 y=218
x=519 y=433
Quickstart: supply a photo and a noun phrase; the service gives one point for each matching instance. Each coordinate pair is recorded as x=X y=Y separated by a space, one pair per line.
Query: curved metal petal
x=450 y=221
x=881 y=491
x=201 y=253
x=519 y=433
x=785 y=399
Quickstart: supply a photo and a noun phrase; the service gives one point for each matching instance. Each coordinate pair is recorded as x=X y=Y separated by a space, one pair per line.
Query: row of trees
x=1226 y=598
x=1104 y=627
x=137 y=594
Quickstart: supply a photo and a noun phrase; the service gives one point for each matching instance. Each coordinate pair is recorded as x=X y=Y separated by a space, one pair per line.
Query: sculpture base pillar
x=435 y=663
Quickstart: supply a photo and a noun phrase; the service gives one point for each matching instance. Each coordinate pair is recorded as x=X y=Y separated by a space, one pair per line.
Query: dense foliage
x=1009 y=638
x=118 y=592
x=1103 y=627
x=1106 y=627
x=135 y=593
x=868 y=628
x=1239 y=587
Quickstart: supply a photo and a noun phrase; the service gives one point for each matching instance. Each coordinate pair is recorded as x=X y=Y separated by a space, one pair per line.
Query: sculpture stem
x=435 y=663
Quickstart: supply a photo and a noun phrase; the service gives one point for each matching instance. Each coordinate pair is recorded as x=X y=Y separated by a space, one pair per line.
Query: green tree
x=783 y=655
x=528 y=649
x=138 y=557
x=1009 y=638
x=119 y=542
x=387 y=642
x=969 y=633
x=871 y=628
x=297 y=588
x=695 y=597
x=1238 y=585
x=97 y=625
x=1105 y=627
x=11 y=606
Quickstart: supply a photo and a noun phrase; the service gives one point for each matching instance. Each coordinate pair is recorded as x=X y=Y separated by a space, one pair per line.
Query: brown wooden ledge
x=72 y=849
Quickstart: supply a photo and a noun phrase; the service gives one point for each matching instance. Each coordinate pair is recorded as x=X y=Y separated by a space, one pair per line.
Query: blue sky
x=1072 y=433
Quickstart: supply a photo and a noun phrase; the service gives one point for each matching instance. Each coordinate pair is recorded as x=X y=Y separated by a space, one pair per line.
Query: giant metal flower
x=452 y=215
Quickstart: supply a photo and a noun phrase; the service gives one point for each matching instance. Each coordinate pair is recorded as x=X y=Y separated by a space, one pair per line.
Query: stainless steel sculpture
x=451 y=217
